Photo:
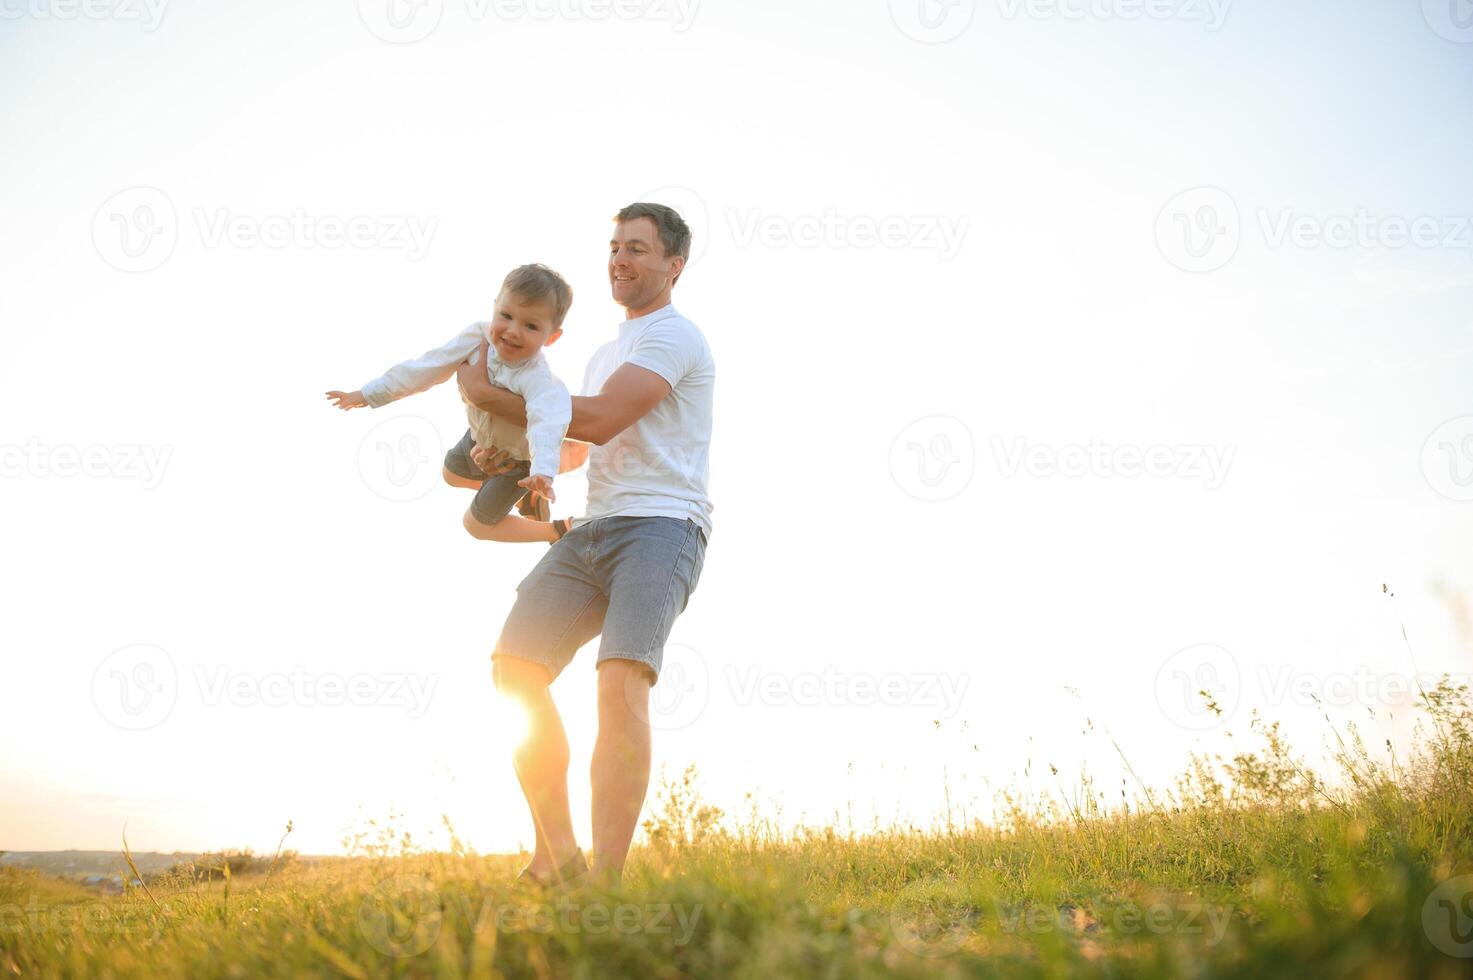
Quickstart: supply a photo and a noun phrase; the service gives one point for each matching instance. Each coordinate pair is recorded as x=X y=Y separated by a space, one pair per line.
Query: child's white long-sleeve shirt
x=549 y=407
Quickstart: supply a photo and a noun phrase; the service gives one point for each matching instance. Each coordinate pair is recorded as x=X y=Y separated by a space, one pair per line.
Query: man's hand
x=347 y=400
x=539 y=485
x=493 y=461
x=471 y=370
x=476 y=389
x=573 y=455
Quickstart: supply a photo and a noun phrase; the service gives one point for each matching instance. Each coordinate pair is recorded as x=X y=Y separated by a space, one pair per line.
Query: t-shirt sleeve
x=671 y=350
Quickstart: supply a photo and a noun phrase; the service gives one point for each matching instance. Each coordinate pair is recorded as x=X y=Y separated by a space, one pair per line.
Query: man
x=629 y=568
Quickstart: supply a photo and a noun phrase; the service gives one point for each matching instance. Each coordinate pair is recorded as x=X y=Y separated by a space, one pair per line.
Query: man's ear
x=552 y=337
x=677 y=266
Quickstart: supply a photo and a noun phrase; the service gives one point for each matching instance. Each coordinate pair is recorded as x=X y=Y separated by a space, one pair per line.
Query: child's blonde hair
x=539 y=284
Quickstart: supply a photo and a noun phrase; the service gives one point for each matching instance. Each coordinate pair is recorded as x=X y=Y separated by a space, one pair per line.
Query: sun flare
x=507 y=721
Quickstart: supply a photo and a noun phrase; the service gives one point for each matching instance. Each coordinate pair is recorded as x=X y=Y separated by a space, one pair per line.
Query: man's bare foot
x=540 y=872
x=605 y=876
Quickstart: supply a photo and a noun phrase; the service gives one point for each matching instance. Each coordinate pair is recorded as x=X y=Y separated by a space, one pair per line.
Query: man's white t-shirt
x=659 y=466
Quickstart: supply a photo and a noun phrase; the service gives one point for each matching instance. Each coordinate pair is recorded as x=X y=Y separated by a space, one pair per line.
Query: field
x=1250 y=865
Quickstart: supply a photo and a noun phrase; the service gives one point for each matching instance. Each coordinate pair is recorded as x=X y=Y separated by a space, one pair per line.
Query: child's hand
x=539 y=485
x=347 y=399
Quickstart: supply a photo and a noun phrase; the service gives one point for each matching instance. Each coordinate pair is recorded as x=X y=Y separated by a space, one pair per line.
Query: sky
x=1073 y=357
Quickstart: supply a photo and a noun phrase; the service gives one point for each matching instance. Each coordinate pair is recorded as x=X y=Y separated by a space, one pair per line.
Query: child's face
x=520 y=328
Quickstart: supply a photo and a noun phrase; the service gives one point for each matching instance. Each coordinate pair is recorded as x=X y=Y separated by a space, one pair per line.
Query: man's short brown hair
x=674 y=232
x=536 y=283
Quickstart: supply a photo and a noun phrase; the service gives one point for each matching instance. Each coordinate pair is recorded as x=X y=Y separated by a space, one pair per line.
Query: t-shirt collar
x=643 y=321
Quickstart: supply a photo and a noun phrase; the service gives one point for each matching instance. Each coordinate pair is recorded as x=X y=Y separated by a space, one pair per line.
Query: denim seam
x=674 y=570
x=568 y=626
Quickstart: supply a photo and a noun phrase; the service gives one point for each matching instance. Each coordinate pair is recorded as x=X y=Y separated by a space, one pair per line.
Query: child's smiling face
x=520 y=328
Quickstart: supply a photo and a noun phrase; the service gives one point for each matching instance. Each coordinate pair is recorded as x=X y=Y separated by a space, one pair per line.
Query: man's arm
x=627 y=396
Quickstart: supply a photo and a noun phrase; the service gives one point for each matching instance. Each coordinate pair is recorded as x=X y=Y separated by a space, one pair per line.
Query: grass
x=1250 y=865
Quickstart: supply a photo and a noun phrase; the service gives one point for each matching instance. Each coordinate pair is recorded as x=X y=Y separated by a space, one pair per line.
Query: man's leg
x=649 y=567
x=621 y=761
x=541 y=761
x=559 y=608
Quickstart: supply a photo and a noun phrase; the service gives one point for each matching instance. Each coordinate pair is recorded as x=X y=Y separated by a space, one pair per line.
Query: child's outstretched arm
x=413 y=376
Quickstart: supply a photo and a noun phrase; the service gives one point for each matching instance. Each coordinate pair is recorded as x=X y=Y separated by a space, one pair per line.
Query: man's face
x=520 y=328
x=639 y=270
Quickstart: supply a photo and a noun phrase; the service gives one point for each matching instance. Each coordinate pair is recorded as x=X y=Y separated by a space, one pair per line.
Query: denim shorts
x=498 y=493
x=625 y=577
